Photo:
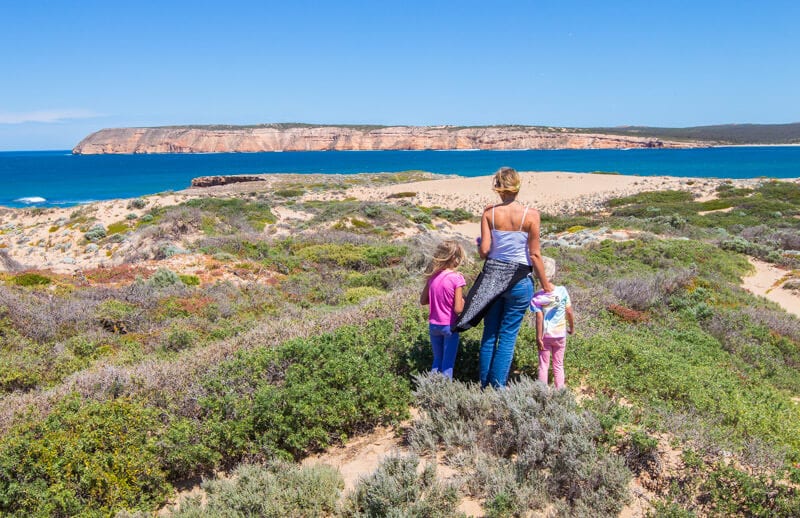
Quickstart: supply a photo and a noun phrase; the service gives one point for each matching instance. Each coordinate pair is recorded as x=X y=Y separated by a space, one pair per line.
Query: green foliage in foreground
x=94 y=457
x=304 y=395
x=684 y=368
x=85 y=458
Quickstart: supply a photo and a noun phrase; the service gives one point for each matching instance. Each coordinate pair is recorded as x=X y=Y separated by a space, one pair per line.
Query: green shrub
x=356 y=295
x=652 y=198
x=275 y=490
x=453 y=215
x=256 y=213
x=189 y=280
x=179 y=339
x=85 y=458
x=137 y=203
x=735 y=493
x=31 y=279
x=289 y=193
x=164 y=278
x=352 y=256
x=116 y=316
x=182 y=451
x=118 y=227
x=403 y=194
x=96 y=233
x=397 y=489
x=305 y=394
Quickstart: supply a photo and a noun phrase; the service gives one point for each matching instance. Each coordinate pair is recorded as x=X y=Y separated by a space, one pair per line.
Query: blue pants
x=445 y=349
x=500 y=328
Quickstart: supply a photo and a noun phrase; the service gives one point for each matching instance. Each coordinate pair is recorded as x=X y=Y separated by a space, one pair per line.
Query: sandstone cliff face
x=330 y=138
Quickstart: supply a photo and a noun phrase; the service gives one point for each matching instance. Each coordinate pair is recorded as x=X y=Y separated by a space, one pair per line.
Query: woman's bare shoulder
x=532 y=217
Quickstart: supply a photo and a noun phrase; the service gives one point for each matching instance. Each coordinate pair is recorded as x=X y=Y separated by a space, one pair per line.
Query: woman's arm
x=486 y=235
x=535 y=251
x=458 y=300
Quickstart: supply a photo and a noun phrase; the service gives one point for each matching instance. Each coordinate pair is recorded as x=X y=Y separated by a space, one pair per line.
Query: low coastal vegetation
x=121 y=385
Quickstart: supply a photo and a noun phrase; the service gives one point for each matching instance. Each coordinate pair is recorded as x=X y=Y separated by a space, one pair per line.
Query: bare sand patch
x=704 y=212
x=767 y=281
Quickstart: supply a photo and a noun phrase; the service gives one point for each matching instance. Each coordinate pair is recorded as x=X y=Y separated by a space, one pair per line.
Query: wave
x=31 y=199
x=75 y=202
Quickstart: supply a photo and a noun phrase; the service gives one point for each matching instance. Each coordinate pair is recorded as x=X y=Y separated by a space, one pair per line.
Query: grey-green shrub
x=137 y=203
x=277 y=489
x=164 y=278
x=96 y=233
x=397 y=490
x=540 y=434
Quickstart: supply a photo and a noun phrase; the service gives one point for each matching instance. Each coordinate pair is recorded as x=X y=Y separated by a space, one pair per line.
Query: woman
x=510 y=244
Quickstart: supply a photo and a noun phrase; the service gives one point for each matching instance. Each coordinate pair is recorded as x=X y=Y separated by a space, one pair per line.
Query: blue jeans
x=445 y=348
x=500 y=328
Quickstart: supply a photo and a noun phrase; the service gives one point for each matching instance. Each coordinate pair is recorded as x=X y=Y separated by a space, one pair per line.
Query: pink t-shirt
x=441 y=293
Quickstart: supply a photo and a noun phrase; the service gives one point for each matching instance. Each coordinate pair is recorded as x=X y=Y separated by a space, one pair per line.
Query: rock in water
x=212 y=181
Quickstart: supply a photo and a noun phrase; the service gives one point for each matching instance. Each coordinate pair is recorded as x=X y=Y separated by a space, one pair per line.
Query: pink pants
x=554 y=346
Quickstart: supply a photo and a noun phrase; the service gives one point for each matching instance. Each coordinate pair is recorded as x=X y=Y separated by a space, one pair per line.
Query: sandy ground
x=767 y=281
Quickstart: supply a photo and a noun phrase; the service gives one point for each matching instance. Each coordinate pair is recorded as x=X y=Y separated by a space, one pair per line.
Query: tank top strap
x=493 y=227
x=521 y=223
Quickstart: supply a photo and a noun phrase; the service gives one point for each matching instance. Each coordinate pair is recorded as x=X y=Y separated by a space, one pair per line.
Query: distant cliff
x=302 y=137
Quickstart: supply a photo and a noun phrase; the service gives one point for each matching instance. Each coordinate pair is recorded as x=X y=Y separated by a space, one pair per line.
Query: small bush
x=164 y=278
x=356 y=295
x=397 y=489
x=31 y=279
x=403 y=194
x=452 y=215
x=179 y=339
x=289 y=193
x=96 y=233
x=118 y=227
x=137 y=203
x=116 y=316
x=275 y=490
x=189 y=280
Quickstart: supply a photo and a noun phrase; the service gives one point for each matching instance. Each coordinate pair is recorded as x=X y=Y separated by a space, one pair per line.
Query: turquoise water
x=53 y=178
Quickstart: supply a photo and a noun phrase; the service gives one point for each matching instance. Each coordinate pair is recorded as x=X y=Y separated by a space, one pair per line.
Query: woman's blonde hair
x=506 y=179
x=449 y=254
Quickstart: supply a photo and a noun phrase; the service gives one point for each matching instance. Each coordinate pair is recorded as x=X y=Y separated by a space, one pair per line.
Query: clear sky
x=68 y=68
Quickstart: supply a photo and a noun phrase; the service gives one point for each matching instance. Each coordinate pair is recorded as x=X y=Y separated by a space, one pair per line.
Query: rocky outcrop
x=213 y=181
x=226 y=139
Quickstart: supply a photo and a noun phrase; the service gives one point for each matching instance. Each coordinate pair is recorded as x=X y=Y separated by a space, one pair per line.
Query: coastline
x=53 y=238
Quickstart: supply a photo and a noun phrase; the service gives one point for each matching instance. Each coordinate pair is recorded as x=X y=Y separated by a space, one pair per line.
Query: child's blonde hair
x=449 y=254
x=506 y=179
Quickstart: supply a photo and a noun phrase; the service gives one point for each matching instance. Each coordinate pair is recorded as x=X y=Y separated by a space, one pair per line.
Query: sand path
x=767 y=281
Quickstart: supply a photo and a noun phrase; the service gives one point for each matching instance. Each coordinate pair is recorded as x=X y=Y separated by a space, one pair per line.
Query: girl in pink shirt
x=444 y=292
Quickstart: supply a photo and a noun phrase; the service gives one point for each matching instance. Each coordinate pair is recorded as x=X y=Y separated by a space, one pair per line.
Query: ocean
x=58 y=178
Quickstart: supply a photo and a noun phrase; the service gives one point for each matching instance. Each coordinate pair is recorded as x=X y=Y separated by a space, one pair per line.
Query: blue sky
x=70 y=68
